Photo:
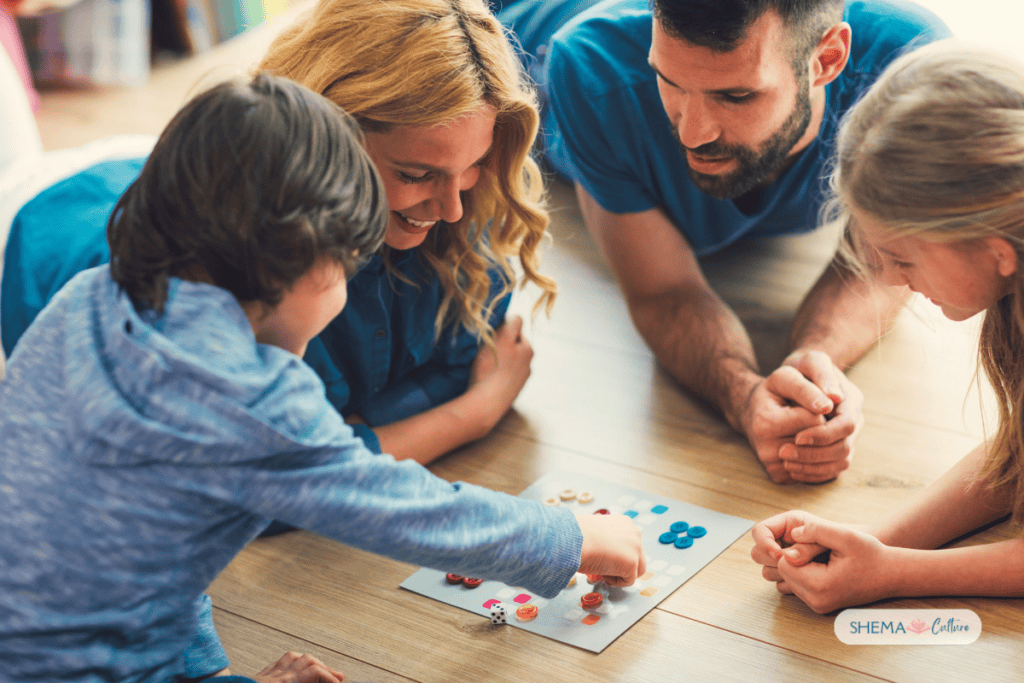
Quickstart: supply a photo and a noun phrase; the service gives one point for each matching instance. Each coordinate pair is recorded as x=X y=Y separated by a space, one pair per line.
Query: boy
x=161 y=416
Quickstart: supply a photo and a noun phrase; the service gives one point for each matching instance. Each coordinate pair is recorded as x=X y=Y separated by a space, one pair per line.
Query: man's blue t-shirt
x=605 y=127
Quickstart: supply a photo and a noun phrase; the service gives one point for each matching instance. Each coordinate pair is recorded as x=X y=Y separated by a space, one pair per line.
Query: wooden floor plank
x=252 y=646
x=349 y=601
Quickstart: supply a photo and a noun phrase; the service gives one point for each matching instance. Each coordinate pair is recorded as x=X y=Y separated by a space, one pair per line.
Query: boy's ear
x=831 y=55
x=1005 y=255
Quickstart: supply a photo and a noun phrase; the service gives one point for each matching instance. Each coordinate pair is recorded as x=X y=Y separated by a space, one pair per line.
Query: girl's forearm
x=956 y=504
x=993 y=569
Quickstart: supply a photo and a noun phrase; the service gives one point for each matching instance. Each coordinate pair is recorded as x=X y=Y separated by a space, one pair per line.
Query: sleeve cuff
x=368 y=436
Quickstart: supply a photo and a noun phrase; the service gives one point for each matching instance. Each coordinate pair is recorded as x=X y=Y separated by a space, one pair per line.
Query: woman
x=449 y=124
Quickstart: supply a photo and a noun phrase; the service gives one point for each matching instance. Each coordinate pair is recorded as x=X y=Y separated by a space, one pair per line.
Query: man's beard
x=755 y=167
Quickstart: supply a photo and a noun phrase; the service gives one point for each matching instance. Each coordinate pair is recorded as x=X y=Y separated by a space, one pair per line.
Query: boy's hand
x=612 y=549
x=296 y=668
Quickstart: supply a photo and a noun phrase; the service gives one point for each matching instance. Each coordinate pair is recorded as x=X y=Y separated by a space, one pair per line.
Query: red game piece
x=602 y=511
x=591 y=600
x=453 y=578
x=471 y=583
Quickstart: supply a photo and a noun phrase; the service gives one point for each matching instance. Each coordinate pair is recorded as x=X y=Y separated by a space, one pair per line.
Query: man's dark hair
x=249 y=186
x=721 y=25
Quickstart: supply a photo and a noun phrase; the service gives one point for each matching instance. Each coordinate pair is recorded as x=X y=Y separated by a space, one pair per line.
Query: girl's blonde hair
x=935 y=151
x=428 y=63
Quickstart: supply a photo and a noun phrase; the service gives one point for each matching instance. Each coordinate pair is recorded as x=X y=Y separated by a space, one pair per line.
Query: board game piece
x=683 y=542
x=585 y=497
x=667 y=537
x=553 y=501
x=602 y=511
x=471 y=583
x=572 y=581
x=678 y=527
x=591 y=600
x=696 y=532
x=562 y=618
x=567 y=494
x=498 y=615
x=527 y=612
x=453 y=579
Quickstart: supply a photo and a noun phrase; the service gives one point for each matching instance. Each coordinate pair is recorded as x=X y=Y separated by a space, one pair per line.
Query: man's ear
x=831 y=55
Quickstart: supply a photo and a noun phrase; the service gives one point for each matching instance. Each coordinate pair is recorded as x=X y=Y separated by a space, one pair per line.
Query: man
x=693 y=124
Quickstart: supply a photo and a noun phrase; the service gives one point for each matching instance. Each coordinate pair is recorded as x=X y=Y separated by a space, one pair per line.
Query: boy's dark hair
x=721 y=25
x=248 y=187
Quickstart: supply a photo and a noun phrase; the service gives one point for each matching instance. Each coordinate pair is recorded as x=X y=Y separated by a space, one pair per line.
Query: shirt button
x=380 y=333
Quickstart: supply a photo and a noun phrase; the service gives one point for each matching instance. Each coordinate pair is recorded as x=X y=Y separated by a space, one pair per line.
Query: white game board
x=562 y=617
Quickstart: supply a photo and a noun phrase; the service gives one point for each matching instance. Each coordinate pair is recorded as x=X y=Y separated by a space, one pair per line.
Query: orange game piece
x=527 y=613
x=591 y=600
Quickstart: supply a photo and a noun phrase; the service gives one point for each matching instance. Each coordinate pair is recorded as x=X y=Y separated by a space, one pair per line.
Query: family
x=313 y=267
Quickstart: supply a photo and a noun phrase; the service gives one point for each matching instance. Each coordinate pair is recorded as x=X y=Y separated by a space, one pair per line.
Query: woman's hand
x=495 y=379
x=498 y=376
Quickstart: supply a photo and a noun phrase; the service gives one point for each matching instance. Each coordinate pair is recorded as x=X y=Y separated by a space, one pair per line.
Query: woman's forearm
x=429 y=435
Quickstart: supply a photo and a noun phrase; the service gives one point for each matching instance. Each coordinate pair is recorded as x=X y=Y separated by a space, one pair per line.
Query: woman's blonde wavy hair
x=935 y=151
x=395 y=63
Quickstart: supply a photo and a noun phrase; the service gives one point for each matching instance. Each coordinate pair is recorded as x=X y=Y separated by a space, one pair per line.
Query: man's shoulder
x=606 y=45
x=884 y=29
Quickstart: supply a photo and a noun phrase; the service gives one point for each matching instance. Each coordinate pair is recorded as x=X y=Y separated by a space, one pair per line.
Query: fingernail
x=804 y=441
x=836 y=396
x=822 y=405
x=791 y=554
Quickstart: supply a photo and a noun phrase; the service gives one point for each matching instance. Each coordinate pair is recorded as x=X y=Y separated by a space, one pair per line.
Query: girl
x=449 y=124
x=930 y=181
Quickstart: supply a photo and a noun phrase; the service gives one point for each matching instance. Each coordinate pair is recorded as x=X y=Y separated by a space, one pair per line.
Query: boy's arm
x=400 y=510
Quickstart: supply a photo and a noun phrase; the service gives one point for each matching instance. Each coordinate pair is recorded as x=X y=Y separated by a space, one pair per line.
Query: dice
x=498 y=615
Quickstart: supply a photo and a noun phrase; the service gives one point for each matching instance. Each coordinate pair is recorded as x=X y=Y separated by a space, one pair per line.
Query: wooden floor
x=597 y=402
